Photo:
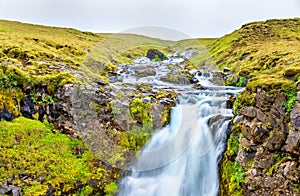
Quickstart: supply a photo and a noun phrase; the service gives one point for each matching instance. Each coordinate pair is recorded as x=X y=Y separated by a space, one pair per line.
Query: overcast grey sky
x=195 y=18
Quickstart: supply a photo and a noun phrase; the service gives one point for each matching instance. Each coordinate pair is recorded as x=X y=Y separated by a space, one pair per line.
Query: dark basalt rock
x=11 y=190
x=143 y=71
x=27 y=107
x=245 y=55
x=226 y=69
x=275 y=141
x=259 y=134
x=198 y=86
x=230 y=102
x=8 y=188
x=263 y=101
x=271 y=143
x=6 y=115
x=248 y=112
x=293 y=142
x=153 y=53
x=290 y=73
x=295 y=116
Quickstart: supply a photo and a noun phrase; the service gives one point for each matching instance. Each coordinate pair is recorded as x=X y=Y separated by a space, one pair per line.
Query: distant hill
x=266 y=52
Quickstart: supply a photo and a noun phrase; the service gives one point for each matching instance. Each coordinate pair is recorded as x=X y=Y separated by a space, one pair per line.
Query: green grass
x=31 y=50
x=32 y=147
x=262 y=55
x=291 y=100
x=266 y=53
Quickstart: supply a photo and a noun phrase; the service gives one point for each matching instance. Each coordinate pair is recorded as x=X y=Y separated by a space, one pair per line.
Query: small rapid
x=181 y=159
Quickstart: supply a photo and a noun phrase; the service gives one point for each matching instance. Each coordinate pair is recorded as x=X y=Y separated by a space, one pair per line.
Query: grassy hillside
x=41 y=159
x=40 y=50
x=266 y=53
x=34 y=62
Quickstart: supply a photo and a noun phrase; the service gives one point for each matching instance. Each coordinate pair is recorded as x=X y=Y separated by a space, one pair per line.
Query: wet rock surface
x=8 y=188
x=153 y=53
x=269 y=146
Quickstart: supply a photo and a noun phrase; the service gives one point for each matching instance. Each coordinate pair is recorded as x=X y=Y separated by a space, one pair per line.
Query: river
x=181 y=159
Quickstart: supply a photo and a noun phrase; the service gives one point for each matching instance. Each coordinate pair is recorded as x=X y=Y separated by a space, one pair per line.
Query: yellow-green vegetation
x=28 y=44
x=39 y=53
x=136 y=138
x=9 y=99
x=266 y=53
x=48 y=157
x=141 y=111
x=119 y=49
x=245 y=98
x=232 y=174
x=111 y=189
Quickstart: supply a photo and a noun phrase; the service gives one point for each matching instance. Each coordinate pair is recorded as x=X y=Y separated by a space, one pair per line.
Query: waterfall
x=182 y=158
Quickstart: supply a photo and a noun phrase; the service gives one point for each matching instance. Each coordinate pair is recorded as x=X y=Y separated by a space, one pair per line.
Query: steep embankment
x=38 y=65
x=262 y=157
x=37 y=62
x=35 y=156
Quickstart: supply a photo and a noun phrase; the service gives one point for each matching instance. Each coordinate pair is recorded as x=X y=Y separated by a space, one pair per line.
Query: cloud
x=193 y=17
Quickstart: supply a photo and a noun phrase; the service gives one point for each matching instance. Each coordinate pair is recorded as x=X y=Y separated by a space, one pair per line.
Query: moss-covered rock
x=41 y=160
x=264 y=57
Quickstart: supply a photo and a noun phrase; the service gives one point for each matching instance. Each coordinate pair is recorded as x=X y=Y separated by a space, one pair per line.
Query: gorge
x=88 y=114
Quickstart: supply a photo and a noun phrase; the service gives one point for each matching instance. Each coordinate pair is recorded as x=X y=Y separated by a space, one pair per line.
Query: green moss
x=235 y=176
x=141 y=111
x=266 y=52
x=157 y=59
x=242 y=81
x=111 y=188
x=233 y=145
x=245 y=98
x=10 y=100
x=32 y=147
x=232 y=174
x=7 y=80
x=291 y=100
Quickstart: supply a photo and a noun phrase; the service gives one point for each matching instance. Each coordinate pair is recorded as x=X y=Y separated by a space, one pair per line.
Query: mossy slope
x=34 y=62
x=265 y=56
x=267 y=53
x=43 y=160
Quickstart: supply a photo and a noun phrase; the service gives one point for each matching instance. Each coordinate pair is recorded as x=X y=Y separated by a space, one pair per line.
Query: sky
x=179 y=18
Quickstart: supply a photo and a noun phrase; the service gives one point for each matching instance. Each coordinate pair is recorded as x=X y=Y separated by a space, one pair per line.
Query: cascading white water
x=182 y=158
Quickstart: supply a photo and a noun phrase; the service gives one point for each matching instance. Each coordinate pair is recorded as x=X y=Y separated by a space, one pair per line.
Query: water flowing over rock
x=182 y=158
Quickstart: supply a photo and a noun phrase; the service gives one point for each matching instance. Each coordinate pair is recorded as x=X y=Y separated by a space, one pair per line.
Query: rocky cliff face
x=262 y=155
x=263 y=151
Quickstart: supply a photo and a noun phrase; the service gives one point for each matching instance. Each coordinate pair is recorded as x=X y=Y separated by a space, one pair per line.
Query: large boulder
x=153 y=53
x=293 y=142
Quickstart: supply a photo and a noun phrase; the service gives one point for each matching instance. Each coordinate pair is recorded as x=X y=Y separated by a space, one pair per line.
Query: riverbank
x=48 y=77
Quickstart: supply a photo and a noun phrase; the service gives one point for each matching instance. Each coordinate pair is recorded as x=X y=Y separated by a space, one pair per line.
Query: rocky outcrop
x=267 y=147
x=153 y=53
x=114 y=121
x=8 y=188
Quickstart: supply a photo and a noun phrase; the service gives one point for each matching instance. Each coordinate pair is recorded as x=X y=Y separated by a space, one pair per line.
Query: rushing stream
x=182 y=158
